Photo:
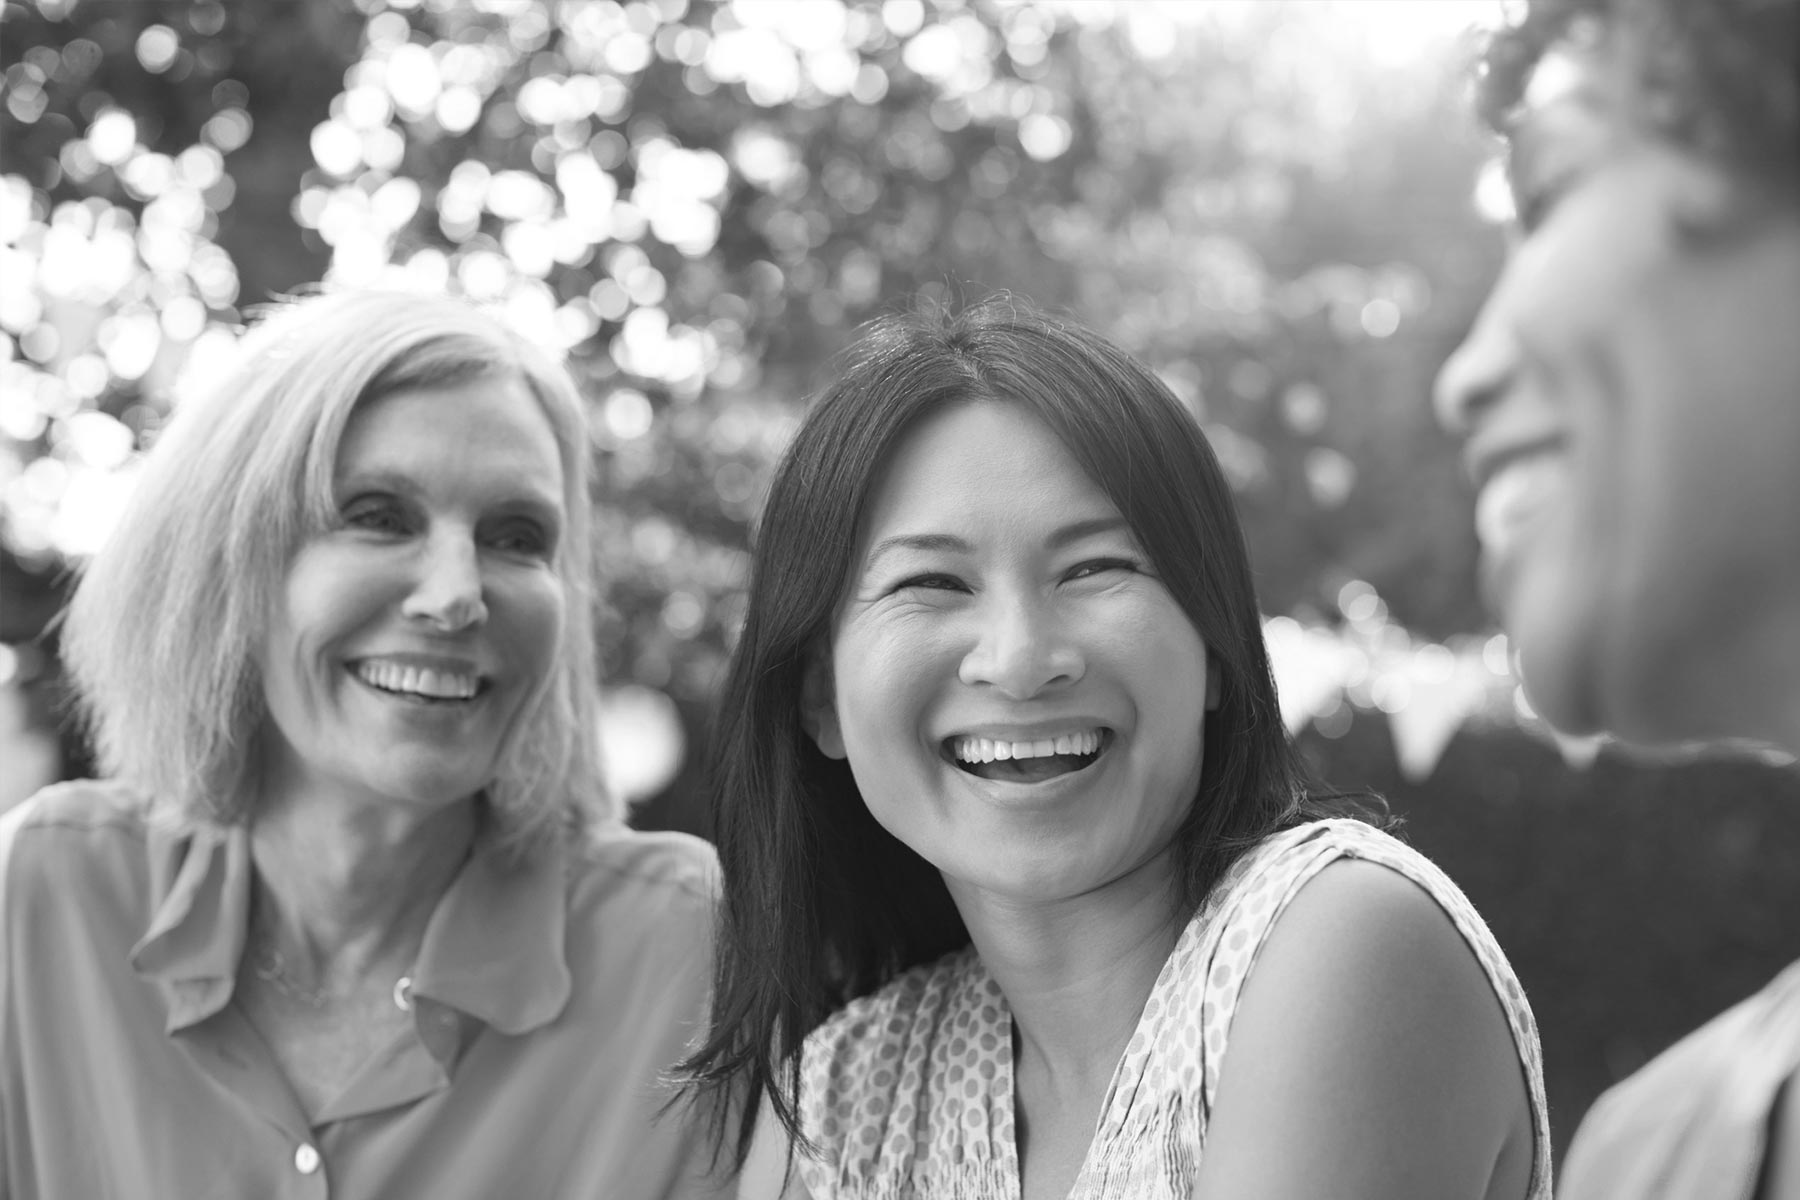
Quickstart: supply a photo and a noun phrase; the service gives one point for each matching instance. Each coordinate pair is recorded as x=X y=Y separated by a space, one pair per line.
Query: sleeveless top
x=1695 y=1123
x=908 y=1092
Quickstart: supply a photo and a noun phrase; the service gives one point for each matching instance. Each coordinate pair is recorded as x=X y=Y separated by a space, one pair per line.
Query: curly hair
x=1718 y=77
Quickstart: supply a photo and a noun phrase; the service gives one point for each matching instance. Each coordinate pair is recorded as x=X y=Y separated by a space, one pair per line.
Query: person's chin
x=1556 y=638
x=428 y=784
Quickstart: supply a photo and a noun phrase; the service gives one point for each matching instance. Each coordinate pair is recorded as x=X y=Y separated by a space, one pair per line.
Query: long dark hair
x=821 y=904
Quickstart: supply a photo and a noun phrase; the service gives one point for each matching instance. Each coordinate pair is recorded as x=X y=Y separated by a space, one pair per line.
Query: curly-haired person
x=1630 y=397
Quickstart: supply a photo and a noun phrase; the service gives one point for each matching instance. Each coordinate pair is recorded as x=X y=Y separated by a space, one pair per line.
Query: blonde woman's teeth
x=418 y=681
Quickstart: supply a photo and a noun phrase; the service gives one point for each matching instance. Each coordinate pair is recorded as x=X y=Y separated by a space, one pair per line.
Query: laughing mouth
x=1516 y=494
x=1031 y=761
x=423 y=685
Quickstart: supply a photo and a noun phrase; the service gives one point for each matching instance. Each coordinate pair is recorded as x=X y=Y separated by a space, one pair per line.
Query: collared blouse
x=548 y=999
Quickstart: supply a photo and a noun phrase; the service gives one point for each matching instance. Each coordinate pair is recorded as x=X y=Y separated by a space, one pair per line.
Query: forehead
x=982 y=459
x=491 y=429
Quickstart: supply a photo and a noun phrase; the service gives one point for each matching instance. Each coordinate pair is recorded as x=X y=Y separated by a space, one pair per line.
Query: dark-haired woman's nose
x=1021 y=649
x=447 y=590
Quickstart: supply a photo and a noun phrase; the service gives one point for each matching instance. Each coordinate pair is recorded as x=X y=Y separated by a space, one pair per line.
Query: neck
x=344 y=884
x=1764 y=705
x=1740 y=683
x=1076 y=972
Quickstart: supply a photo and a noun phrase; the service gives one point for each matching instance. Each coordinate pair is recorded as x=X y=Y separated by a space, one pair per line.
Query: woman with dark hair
x=1015 y=845
x=1630 y=395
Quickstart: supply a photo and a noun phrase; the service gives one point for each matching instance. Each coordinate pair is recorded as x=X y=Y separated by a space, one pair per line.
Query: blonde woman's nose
x=448 y=592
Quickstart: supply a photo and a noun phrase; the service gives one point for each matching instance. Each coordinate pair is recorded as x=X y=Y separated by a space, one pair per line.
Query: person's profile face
x=1627 y=400
x=410 y=636
x=1020 y=699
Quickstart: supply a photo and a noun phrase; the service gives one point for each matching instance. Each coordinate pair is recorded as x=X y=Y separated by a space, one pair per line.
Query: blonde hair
x=162 y=636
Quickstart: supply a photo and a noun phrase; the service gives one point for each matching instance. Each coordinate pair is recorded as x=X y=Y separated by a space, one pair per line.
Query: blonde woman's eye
x=375 y=515
x=524 y=537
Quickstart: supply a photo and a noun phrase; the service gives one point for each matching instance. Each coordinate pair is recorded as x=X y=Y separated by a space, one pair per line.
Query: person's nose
x=447 y=592
x=1021 y=648
x=1476 y=376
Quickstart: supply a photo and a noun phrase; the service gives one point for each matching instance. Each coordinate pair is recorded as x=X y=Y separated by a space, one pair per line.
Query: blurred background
x=1285 y=207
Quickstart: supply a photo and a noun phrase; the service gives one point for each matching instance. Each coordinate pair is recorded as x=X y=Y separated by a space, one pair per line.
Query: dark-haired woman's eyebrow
x=1075 y=531
x=916 y=542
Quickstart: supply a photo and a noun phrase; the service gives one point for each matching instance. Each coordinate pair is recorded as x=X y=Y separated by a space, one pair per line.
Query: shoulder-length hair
x=822 y=904
x=163 y=634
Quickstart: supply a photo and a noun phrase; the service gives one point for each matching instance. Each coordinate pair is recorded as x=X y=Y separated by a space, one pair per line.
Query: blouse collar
x=494 y=947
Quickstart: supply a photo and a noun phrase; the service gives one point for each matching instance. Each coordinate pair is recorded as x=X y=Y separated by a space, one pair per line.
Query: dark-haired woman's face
x=1628 y=400
x=1020 y=699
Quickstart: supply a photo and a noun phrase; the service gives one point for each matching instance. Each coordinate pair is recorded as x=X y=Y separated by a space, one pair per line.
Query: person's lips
x=1516 y=493
x=1030 y=757
x=423 y=679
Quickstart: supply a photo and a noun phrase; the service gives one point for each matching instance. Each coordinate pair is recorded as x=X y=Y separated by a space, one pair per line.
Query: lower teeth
x=415 y=695
x=1032 y=770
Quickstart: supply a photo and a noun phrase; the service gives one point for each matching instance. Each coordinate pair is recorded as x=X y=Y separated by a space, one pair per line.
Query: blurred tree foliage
x=701 y=200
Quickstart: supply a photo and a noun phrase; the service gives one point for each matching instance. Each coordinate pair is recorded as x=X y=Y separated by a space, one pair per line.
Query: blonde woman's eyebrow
x=520 y=493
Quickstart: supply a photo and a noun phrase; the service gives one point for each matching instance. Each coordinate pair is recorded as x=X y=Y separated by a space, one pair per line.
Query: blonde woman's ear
x=818 y=706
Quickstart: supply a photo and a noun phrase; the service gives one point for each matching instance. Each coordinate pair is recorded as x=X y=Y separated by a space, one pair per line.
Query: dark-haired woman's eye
x=931 y=582
x=1101 y=566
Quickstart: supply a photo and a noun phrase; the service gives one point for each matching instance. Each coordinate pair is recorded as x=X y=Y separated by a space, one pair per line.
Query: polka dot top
x=909 y=1092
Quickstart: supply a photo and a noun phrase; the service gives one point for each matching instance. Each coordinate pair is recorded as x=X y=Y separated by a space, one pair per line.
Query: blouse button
x=306 y=1159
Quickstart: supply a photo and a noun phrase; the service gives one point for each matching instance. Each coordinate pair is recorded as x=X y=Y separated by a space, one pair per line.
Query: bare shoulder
x=1369 y=1024
x=1357 y=913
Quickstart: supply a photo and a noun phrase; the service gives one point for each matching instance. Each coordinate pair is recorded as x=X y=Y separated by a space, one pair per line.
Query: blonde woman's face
x=412 y=635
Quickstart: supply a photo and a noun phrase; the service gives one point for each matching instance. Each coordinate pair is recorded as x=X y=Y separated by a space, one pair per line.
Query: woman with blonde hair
x=352 y=914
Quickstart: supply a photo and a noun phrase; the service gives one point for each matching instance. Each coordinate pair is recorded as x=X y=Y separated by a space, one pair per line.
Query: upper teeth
x=1515 y=495
x=980 y=749
x=421 y=681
